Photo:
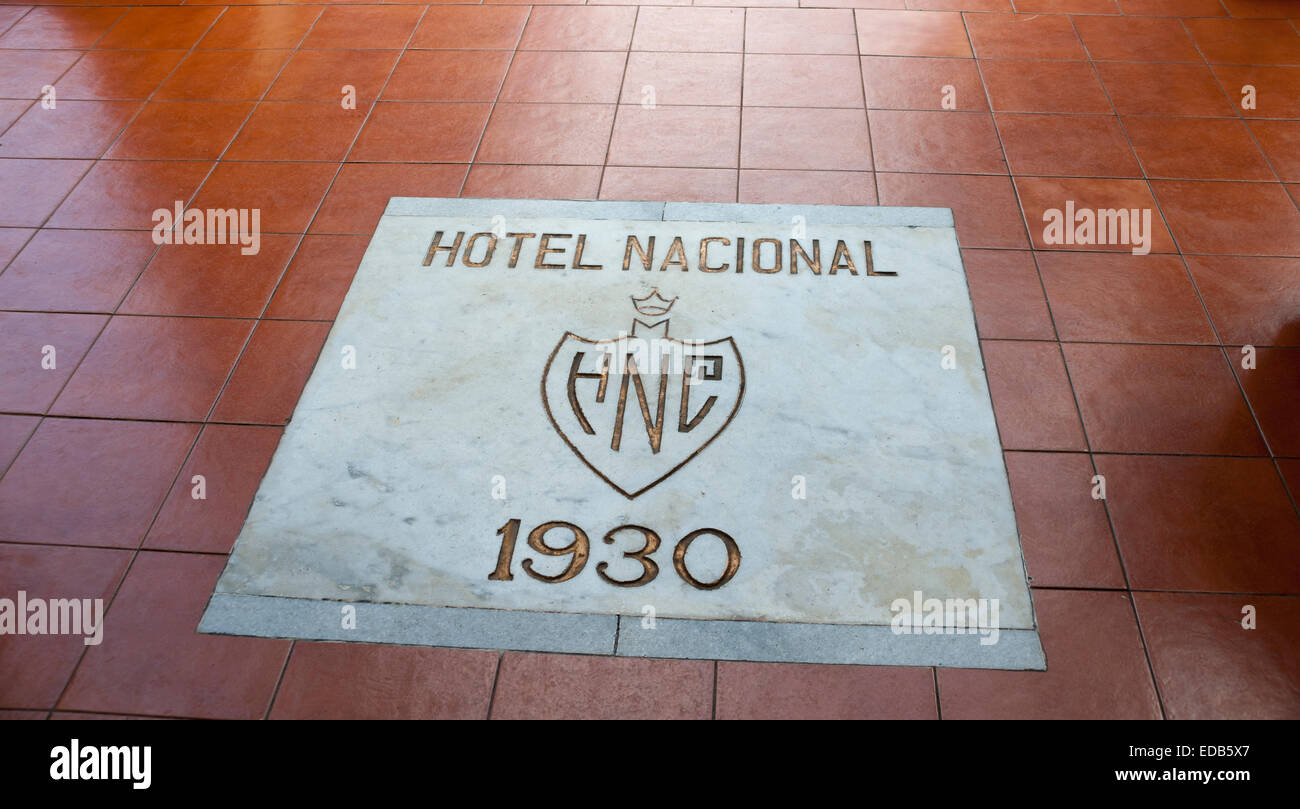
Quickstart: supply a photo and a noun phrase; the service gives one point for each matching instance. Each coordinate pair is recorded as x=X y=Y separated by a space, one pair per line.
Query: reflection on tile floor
x=1175 y=375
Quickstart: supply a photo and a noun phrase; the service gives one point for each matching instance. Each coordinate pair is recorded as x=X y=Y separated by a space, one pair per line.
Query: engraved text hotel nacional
x=712 y=254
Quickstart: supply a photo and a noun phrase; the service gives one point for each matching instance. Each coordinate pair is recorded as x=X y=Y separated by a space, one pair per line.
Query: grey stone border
x=624 y=636
x=410 y=624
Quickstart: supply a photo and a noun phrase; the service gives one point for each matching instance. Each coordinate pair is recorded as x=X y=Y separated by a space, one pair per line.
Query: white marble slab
x=400 y=473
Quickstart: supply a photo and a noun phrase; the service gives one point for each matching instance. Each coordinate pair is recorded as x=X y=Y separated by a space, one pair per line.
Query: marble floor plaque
x=747 y=432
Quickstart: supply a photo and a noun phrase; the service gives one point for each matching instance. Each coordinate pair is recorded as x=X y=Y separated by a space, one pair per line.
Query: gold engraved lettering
x=574 y=376
x=740 y=254
x=604 y=376
x=704 y=253
x=451 y=249
x=649 y=568
x=519 y=242
x=676 y=255
x=842 y=251
x=756 y=258
x=509 y=534
x=544 y=249
x=871 y=265
x=713 y=373
x=487 y=256
x=654 y=428
x=647 y=258
x=579 y=548
x=814 y=263
x=577 y=255
x=679 y=559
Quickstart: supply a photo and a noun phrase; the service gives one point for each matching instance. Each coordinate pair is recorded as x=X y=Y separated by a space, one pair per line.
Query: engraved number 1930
x=580 y=548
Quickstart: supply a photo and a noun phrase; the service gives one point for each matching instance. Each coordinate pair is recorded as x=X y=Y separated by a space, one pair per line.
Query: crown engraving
x=654 y=304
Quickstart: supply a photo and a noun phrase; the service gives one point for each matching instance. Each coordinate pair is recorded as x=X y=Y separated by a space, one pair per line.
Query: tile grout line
x=174 y=316
x=1006 y=161
x=5 y=467
x=979 y=343
x=487 y=122
x=1168 y=591
x=740 y=111
x=496 y=678
x=147 y=420
x=618 y=105
x=938 y=702
x=178 y=551
x=19 y=19
x=1011 y=178
x=713 y=710
x=279 y=681
x=866 y=109
x=112 y=715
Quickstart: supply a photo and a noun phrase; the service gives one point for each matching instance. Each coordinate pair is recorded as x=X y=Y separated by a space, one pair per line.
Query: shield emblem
x=636 y=410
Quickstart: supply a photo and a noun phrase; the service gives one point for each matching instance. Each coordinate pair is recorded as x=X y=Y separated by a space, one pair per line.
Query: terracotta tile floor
x=173 y=361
